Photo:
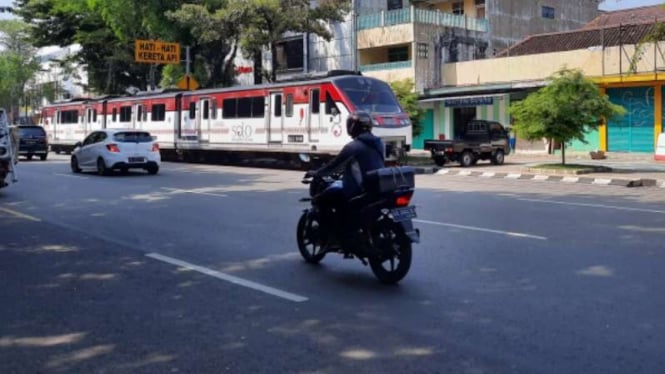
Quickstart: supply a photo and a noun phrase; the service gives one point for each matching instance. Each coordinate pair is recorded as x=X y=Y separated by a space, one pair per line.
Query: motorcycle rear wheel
x=394 y=246
x=309 y=238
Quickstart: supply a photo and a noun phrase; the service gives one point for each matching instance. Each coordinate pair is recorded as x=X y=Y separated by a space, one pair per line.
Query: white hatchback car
x=116 y=149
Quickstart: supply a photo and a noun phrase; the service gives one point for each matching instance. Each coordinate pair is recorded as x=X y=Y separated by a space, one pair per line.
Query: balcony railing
x=424 y=16
x=387 y=66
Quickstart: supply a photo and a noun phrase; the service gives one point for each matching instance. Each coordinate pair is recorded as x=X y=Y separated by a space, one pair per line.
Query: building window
x=395 y=4
x=423 y=50
x=290 y=55
x=480 y=3
x=458 y=8
x=548 y=12
x=398 y=54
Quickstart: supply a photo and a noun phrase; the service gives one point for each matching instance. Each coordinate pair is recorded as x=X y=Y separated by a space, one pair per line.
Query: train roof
x=166 y=93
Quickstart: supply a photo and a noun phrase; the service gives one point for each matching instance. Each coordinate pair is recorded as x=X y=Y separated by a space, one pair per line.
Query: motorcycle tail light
x=113 y=148
x=403 y=200
x=155 y=147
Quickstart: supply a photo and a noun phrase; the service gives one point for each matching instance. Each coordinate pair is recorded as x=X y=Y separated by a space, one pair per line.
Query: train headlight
x=375 y=122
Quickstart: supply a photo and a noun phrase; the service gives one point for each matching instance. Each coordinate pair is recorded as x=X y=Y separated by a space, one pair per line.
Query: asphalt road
x=196 y=270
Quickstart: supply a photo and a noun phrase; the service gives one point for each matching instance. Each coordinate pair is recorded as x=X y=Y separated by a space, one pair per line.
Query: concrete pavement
x=621 y=169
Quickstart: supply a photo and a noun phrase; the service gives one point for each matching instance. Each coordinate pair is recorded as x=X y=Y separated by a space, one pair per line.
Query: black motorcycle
x=375 y=227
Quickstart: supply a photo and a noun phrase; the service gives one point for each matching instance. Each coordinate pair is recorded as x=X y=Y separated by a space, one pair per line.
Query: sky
x=617 y=4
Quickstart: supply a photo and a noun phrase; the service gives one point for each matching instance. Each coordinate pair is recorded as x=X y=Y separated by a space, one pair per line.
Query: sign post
x=156 y=52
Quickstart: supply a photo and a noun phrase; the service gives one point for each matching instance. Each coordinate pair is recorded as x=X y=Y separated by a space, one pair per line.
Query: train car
x=306 y=116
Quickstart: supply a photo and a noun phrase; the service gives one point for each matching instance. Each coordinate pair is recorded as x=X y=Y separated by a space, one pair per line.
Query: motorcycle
x=377 y=225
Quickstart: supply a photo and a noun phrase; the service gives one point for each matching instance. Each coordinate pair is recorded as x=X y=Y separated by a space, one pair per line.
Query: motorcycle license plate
x=402 y=214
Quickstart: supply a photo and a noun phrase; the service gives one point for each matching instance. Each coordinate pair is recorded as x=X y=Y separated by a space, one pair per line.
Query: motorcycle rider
x=361 y=155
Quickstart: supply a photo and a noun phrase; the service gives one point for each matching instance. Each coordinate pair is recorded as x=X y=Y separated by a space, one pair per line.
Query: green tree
x=408 y=99
x=18 y=63
x=564 y=110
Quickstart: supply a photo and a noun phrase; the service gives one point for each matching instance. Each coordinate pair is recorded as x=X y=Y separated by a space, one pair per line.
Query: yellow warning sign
x=156 y=52
x=188 y=83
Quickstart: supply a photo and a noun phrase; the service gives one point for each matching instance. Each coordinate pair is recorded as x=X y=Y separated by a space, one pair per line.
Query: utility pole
x=354 y=41
x=187 y=66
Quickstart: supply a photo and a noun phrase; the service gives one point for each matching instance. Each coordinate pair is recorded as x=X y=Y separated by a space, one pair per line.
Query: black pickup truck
x=479 y=140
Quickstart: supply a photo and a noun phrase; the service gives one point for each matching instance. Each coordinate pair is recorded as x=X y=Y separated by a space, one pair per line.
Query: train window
x=278 y=105
x=69 y=116
x=213 y=109
x=115 y=114
x=229 y=108
x=192 y=110
x=139 y=115
x=206 y=109
x=125 y=114
x=289 y=105
x=315 y=102
x=158 y=112
x=258 y=106
x=245 y=107
x=330 y=104
x=94 y=115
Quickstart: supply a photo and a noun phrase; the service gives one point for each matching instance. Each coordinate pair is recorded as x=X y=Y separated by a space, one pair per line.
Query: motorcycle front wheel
x=309 y=238
x=395 y=260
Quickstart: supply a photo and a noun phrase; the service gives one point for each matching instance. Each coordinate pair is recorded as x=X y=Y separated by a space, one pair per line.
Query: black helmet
x=358 y=123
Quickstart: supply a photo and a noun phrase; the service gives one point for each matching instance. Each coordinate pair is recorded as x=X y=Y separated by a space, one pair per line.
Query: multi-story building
x=397 y=39
x=613 y=50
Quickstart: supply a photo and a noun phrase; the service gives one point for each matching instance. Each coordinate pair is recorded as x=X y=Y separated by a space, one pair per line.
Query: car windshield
x=370 y=95
x=132 y=137
x=31 y=131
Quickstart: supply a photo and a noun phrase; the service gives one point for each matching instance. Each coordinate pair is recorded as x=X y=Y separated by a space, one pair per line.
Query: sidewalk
x=624 y=169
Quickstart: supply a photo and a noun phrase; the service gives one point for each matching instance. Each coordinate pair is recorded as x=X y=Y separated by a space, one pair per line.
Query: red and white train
x=294 y=117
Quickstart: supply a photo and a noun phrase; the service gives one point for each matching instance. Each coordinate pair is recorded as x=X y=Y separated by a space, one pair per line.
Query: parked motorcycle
x=376 y=227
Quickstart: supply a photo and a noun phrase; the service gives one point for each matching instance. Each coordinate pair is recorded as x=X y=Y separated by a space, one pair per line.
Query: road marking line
x=513 y=176
x=229 y=278
x=602 y=181
x=176 y=190
x=507 y=233
x=570 y=179
x=70 y=176
x=539 y=177
x=20 y=215
x=595 y=206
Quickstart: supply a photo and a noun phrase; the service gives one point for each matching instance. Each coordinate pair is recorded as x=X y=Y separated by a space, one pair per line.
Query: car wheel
x=74 y=163
x=29 y=157
x=101 y=167
x=467 y=159
x=152 y=169
x=498 y=158
x=42 y=157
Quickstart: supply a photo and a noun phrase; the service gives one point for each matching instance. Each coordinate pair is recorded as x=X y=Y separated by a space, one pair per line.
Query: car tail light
x=155 y=147
x=403 y=200
x=113 y=148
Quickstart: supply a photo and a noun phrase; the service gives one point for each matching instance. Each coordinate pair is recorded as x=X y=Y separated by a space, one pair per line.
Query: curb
x=639 y=182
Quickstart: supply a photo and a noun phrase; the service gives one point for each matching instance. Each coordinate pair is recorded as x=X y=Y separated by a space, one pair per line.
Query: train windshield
x=370 y=95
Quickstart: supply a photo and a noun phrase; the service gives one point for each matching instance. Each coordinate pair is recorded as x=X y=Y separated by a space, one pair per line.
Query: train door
x=203 y=118
x=177 y=117
x=88 y=120
x=314 y=115
x=137 y=113
x=275 y=118
x=56 y=125
x=104 y=113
